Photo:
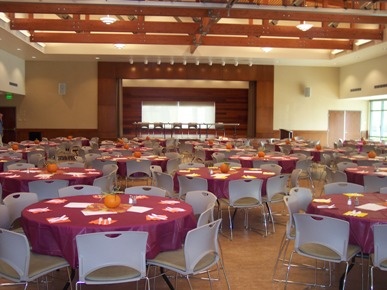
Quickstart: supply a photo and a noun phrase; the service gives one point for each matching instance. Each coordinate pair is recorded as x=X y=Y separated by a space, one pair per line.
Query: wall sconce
x=146 y=61
x=158 y=61
x=197 y=62
x=185 y=62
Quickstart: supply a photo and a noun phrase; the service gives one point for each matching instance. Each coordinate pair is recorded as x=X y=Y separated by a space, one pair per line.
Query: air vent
x=355 y=90
x=380 y=86
x=13 y=84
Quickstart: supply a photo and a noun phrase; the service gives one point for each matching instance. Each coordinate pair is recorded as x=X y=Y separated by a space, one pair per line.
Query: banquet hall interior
x=236 y=71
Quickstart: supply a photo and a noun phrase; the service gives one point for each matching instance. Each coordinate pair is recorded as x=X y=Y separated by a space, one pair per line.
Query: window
x=378 y=120
x=183 y=112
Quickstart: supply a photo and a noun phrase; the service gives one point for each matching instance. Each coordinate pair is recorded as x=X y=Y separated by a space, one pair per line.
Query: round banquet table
x=356 y=174
x=218 y=182
x=17 y=180
x=288 y=163
x=58 y=238
x=360 y=227
x=315 y=153
x=210 y=151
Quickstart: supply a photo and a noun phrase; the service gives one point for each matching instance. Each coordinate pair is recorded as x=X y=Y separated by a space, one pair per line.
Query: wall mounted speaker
x=307 y=92
x=62 y=87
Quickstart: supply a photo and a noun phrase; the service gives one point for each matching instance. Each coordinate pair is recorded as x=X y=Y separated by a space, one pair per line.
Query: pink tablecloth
x=361 y=227
x=17 y=180
x=59 y=238
x=219 y=185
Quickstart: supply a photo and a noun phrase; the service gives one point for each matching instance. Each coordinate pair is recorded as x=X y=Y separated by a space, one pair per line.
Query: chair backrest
x=191 y=165
x=242 y=188
x=276 y=185
x=105 y=182
x=138 y=166
x=373 y=183
x=17 y=201
x=100 y=163
x=109 y=168
x=37 y=158
x=202 y=242
x=258 y=162
x=322 y=230
x=126 y=248
x=71 y=164
x=305 y=165
x=380 y=244
x=153 y=169
x=218 y=157
x=365 y=162
x=335 y=175
x=303 y=195
x=79 y=189
x=173 y=165
x=165 y=181
x=15 y=251
x=206 y=216
x=343 y=187
x=188 y=183
x=47 y=188
x=89 y=157
x=345 y=164
x=146 y=190
x=272 y=167
x=296 y=172
x=5 y=220
x=20 y=166
x=300 y=156
x=200 y=200
x=383 y=190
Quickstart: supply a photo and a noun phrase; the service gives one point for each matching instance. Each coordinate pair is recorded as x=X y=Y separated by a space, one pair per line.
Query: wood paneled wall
x=231 y=104
x=109 y=74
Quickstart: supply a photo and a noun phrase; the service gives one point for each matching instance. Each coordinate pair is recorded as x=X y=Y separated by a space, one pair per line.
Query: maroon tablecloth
x=219 y=186
x=17 y=180
x=58 y=239
x=288 y=163
x=360 y=227
x=356 y=174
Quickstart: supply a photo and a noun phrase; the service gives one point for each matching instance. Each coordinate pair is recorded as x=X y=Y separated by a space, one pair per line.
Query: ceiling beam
x=200 y=29
x=201 y=10
x=187 y=40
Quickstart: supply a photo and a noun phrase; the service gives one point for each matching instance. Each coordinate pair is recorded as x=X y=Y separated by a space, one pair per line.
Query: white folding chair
x=373 y=183
x=323 y=238
x=16 y=202
x=188 y=183
x=124 y=261
x=201 y=244
x=47 y=188
x=378 y=259
x=20 y=265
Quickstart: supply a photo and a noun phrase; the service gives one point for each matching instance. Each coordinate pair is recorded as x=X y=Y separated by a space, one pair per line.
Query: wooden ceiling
x=220 y=23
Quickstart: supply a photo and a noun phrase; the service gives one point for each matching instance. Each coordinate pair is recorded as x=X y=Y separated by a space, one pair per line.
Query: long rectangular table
x=169 y=127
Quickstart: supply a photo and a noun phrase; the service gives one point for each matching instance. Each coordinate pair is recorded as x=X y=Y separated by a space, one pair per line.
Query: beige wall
x=78 y=108
x=43 y=107
x=360 y=79
x=294 y=111
x=12 y=70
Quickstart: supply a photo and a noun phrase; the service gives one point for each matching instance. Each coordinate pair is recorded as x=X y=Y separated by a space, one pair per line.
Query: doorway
x=343 y=125
x=9 y=124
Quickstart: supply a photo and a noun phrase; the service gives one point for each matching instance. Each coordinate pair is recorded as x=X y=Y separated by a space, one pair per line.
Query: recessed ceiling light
x=108 y=19
x=304 y=26
x=119 y=45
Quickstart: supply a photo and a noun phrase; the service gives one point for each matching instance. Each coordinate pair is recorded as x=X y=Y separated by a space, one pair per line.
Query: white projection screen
x=184 y=112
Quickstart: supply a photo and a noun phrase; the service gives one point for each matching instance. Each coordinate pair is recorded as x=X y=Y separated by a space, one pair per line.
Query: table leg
x=166 y=279
x=72 y=275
